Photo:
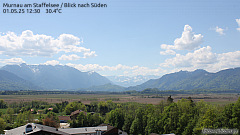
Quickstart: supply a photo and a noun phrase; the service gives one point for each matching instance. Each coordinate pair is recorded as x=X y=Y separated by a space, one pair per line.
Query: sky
x=128 y=37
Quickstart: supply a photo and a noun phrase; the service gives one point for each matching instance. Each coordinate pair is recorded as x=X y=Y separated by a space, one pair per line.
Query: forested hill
x=198 y=79
x=56 y=77
x=9 y=81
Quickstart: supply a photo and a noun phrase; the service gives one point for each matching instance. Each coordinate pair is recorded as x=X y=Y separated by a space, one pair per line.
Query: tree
x=228 y=115
x=186 y=114
x=139 y=123
x=170 y=118
x=128 y=119
x=116 y=118
x=102 y=108
x=73 y=106
x=152 y=122
x=81 y=119
x=209 y=119
x=51 y=120
x=3 y=104
x=10 y=113
x=97 y=119
x=20 y=120
x=2 y=126
x=235 y=121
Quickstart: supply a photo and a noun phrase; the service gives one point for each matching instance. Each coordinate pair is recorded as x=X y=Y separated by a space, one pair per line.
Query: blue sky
x=129 y=37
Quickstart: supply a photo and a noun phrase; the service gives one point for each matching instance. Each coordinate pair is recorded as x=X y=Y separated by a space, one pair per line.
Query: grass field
x=218 y=99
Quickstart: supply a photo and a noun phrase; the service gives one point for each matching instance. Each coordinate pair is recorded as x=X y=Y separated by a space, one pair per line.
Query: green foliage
x=88 y=120
x=60 y=106
x=2 y=126
x=115 y=118
x=73 y=106
x=104 y=107
x=184 y=117
x=51 y=120
x=24 y=118
x=3 y=104
x=10 y=116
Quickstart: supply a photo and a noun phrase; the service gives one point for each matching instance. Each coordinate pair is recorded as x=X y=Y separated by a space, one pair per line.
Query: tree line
x=184 y=117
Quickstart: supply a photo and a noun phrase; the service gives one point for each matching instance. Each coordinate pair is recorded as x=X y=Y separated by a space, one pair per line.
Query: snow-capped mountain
x=127 y=81
x=56 y=77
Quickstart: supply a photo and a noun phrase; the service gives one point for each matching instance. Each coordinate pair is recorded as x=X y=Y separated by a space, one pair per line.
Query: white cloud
x=28 y=44
x=203 y=58
x=90 y=54
x=219 y=30
x=238 y=22
x=168 y=52
x=188 y=41
x=69 y=57
x=96 y=67
x=52 y=62
x=13 y=61
x=227 y=60
x=126 y=70
x=76 y=57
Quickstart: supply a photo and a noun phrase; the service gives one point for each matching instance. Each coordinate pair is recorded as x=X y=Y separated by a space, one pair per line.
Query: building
x=40 y=112
x=86 y=130
x=102 y=129
x=64 y=119
x=35 y=129
x=76 y=113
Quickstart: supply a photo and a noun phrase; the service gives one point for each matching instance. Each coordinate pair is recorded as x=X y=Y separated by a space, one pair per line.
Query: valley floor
x=218 y=99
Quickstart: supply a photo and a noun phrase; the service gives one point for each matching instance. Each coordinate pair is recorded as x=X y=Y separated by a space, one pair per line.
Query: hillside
x=198 y=79
x=56 y=77
x=10 y=81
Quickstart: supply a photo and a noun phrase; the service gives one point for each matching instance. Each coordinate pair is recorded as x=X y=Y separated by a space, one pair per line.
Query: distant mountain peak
x=56 y=77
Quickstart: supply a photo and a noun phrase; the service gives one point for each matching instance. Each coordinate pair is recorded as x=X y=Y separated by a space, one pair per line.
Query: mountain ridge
x=10 y=81
x=59 y=77
x=56 y=77
x=198 y=79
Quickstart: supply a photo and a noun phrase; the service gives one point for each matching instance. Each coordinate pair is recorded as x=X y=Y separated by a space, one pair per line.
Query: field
x=217 y=99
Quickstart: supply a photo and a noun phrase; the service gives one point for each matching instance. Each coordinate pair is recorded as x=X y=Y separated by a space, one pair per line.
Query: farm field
x=217 y=99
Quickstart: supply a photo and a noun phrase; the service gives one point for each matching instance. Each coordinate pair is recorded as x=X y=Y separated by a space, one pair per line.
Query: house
x=85 y=130
x=35 y=129
x=64 y=119
x=76 y=113
x=110 y=130
x=40 y=112
x=102 y=129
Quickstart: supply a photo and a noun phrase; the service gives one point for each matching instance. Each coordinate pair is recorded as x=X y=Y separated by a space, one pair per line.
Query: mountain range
x=47 y=77
x=228 y=79
x=10 y=81
x=56 y=77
